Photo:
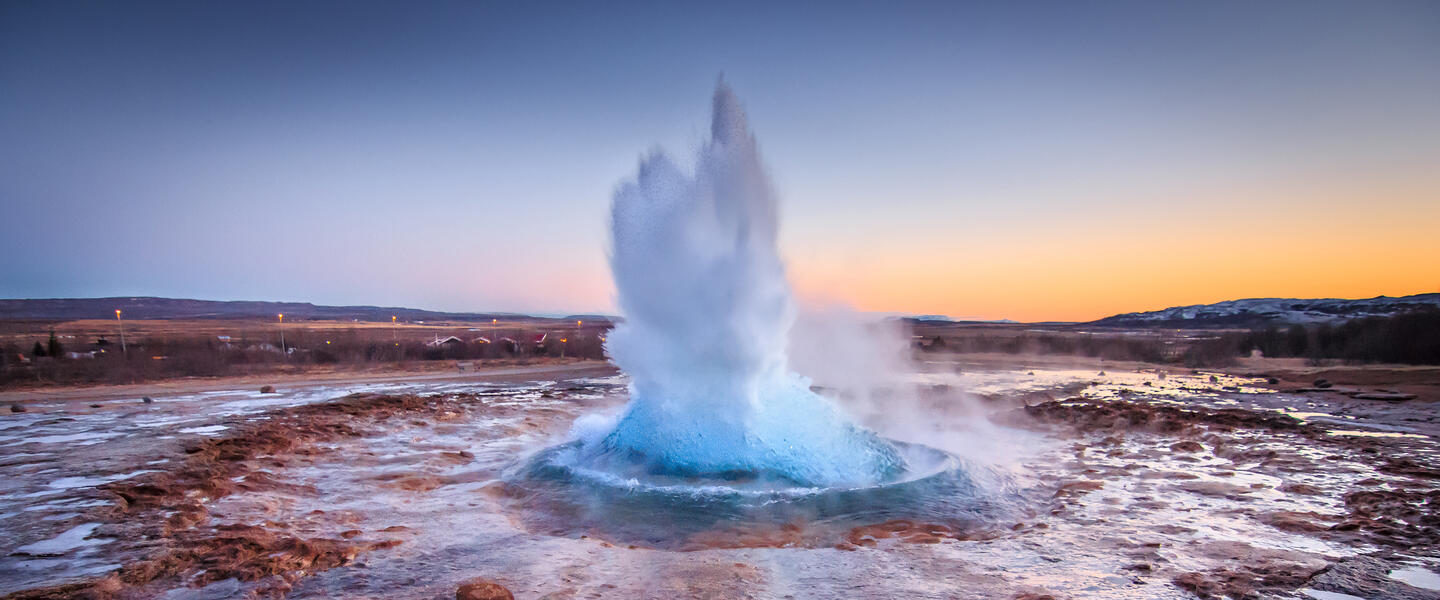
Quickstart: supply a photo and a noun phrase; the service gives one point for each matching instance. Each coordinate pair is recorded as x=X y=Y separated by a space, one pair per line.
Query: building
x=439 y=342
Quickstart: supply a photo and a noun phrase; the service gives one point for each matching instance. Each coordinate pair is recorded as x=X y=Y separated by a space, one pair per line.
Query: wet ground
x=1134 y=483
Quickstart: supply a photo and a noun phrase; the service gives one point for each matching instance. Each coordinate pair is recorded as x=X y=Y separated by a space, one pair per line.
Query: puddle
x=1424 y=579
x=206 y=430
x=1380 y=434
x=1319 y=595
x=72 y=539
x=82 y=439
x=65 y=483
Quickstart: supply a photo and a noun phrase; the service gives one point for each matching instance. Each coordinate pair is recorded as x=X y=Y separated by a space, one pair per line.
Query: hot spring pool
x=562 y=490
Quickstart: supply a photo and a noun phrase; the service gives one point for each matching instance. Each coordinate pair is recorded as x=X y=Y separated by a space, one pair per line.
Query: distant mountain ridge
x=952 y=320
x=144 y=307
x=1254 y=312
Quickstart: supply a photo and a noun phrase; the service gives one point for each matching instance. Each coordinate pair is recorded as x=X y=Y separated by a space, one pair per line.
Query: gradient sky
x=1023 y=160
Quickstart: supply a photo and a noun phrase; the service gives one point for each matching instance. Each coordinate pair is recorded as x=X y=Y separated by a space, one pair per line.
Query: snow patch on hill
x=1257 y=311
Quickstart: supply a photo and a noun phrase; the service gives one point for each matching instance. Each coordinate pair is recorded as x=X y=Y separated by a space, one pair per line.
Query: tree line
x=1406 y=338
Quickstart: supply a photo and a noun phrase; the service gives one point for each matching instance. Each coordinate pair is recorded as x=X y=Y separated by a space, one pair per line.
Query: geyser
x=719 y=432
x=707 y=309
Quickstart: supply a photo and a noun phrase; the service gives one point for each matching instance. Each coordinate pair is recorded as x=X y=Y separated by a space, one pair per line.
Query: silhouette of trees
x=54 y=349
x=1407 y=338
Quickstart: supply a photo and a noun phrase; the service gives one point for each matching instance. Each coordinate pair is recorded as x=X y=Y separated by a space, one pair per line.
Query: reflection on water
x=1424 y=579
x=1361 y=433
x=1320 y=595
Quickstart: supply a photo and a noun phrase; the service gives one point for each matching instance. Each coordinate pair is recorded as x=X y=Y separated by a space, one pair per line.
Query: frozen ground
x=1131 y=484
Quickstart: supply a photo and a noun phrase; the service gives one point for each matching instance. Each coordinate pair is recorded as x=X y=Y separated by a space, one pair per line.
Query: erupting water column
x=707 y=310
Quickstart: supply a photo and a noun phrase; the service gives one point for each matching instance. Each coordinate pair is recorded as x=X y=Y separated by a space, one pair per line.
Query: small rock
x=1323 y=383
x=1304 y=489
x=14 y=408
x=482 y=589
x=148 y=400
x=1214 y=379
x=1272 y=380
x=96 y=405
x=1187 y=446
x=267 y=389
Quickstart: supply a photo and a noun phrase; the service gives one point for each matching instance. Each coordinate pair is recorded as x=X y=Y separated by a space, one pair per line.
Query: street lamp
x=122 y=332
x=394 y=332
x=281 y=317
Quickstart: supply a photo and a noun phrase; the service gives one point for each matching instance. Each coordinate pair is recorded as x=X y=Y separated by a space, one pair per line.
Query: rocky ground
x=1134 y=482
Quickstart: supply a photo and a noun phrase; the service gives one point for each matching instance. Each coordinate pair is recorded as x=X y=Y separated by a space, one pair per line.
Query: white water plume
x=707 y=310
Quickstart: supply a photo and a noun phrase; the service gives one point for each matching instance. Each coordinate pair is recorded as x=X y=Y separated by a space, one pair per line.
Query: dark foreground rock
x=1256 y=572
x=1368 y=577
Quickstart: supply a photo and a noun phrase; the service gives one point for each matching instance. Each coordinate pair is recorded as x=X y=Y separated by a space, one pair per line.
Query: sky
x=1022 y=160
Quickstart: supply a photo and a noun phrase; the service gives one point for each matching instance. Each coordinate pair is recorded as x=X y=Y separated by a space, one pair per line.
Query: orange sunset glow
x=1225 y=243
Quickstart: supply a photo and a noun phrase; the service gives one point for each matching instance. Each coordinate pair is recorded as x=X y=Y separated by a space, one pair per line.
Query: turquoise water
x=568 y=490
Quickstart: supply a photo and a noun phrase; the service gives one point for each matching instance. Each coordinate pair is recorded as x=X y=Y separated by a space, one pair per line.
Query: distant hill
x=175 y=308
x=943 y=319
x=1259 y=312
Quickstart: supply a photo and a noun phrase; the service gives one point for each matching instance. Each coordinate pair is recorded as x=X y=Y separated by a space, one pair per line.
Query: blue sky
x=1024 y=160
